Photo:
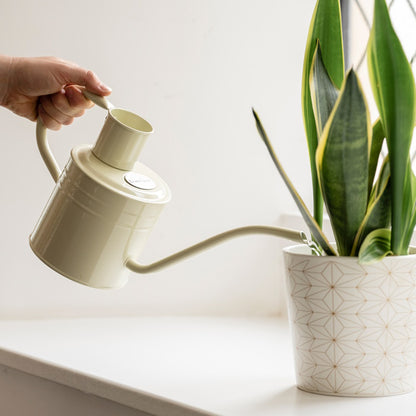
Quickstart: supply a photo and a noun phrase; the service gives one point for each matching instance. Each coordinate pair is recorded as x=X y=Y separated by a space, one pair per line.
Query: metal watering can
x=105 y=204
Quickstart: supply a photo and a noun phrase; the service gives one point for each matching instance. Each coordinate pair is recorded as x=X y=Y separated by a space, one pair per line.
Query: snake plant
x=370 y=200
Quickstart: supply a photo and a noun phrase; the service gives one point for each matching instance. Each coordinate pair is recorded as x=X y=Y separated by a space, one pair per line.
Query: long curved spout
x=297 y=236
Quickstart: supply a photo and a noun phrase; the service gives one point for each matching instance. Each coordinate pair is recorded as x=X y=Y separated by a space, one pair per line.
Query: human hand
x=47 y=87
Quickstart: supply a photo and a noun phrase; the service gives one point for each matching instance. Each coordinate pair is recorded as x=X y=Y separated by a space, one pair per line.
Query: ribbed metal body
x=95 y=219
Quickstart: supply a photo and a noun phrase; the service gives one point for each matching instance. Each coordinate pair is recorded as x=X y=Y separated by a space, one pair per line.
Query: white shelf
x=178 y=366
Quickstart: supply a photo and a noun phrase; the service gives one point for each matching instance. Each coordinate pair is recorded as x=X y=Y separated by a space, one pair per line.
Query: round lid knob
x=139 y=181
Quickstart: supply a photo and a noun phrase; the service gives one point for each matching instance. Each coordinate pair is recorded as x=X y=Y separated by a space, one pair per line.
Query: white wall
x=193 y=68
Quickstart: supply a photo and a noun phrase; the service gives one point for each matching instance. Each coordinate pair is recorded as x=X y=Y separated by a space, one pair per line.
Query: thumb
x=85 y=78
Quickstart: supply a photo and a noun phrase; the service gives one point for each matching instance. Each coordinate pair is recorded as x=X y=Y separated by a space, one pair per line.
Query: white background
x=194 y=69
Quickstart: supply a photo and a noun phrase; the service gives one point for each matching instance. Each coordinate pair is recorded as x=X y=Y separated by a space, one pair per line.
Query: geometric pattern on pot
x=353 y=326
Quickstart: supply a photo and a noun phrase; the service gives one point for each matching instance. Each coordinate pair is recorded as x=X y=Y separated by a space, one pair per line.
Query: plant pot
x=353 y=326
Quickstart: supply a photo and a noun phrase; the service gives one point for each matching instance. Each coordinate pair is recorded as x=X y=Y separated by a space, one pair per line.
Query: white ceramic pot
x=353 y=326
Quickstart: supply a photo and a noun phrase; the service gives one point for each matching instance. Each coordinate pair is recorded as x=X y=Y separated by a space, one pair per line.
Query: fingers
x=62 y=107
x=48 y=121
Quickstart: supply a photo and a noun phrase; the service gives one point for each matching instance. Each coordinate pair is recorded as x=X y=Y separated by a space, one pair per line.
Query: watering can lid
x=140 y=183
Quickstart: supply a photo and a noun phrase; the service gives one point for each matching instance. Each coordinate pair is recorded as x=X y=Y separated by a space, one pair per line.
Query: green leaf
x=375 y=247
x=324 y=93
x=394 y=92
x=379 y=208
x=342 y=163
x=325 y=26
x=307 y=216
x=376 y=144
x=410 y=201
x=382 y=181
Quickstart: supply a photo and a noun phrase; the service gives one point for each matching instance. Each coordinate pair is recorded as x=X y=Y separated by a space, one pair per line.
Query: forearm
x=5 y=74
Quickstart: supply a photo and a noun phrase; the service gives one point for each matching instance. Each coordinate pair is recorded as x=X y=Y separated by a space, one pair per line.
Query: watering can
x=105 y=204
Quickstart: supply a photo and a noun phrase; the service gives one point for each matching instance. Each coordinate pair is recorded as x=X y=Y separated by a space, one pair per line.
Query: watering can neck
x=121 y=139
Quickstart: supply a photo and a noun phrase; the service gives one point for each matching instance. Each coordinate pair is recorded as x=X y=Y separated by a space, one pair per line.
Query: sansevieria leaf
x=394 y=92
x=376 y=144
x=324 y=93
x=378 y=213
x=325 y=26
x=410 y=201
x=342 y=163
x=307 y=216
x=376 y=246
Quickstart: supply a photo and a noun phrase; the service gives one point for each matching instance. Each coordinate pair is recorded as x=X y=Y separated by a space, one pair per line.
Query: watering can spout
x=297 y=236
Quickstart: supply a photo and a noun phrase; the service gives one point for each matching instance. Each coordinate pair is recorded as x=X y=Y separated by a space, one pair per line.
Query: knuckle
x=90 y=74
x=48 y=120
x=59 y=100
x=79 y=113
x=68 y=121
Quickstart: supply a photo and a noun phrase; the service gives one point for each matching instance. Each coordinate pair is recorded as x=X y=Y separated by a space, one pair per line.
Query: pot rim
x=302 y=250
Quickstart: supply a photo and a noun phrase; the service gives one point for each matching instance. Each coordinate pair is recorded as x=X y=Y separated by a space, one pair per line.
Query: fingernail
x=104 y=88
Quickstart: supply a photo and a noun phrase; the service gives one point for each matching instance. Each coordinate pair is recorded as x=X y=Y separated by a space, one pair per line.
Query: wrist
x=6 y=63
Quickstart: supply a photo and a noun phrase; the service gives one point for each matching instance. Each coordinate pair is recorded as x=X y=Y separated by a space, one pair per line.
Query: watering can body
x=103 y=206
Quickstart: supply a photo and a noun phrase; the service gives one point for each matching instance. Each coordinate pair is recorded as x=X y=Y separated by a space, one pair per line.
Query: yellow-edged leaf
x=375 y=247
x=326 y=27
x=378 y=213
x=313 y=226
x=342 y=163
x=395 y=95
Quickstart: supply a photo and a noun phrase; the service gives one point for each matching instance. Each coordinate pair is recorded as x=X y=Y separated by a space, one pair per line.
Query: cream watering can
x=105 y=204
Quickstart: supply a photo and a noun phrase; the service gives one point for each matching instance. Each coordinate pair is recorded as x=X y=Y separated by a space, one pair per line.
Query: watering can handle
x=297 y=236
x=45 y=151
x=43 y=145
